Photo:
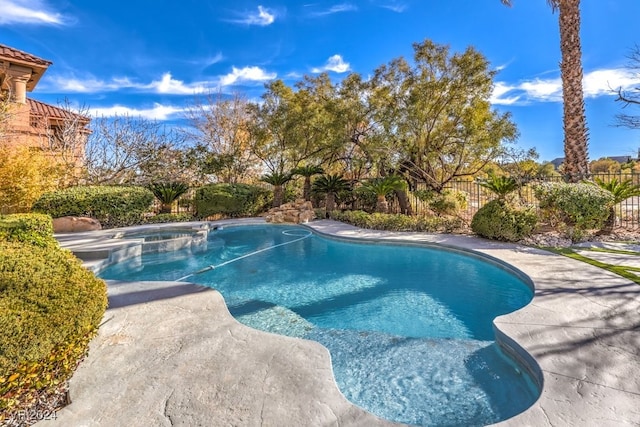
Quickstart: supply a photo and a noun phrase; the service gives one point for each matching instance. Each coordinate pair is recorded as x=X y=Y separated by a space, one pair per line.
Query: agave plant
x=330 y=186
x=307 y=172
x=499 y=185
x=621 y=190
x=381 y=187
x=278 y=180
x=167 y=193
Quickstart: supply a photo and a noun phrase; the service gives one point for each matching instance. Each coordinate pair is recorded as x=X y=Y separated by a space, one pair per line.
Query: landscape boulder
x=71 y=224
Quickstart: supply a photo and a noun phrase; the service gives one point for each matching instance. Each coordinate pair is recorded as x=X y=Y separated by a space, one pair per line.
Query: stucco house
x=33 y=123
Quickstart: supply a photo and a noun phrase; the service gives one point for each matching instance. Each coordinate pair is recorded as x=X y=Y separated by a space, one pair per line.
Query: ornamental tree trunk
x=576 y=156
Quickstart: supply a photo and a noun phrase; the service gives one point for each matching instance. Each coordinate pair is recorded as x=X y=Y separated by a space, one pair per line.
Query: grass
x=620 y=270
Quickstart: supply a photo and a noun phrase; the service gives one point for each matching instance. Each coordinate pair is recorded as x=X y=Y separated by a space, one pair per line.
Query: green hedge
x=398 y=222
x=35 y=229
x=499 y=220
x=50 y=307
x=231 y=200
x=112 y=206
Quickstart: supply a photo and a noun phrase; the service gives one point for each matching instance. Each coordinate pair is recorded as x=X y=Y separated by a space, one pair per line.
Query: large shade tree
x=434 y=116
x=576 y=163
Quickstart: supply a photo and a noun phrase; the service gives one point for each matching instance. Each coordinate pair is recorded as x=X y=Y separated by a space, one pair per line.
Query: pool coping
x=582 y=329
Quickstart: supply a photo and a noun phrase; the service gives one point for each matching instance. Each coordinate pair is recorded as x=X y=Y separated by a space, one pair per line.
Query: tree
x=605 y=165
x=434 y=118
x=221 y=129
x=574 y=119
x=307 y=172
x=330 y=185
x=133 y=150
x=630 y=98
x=278 y=180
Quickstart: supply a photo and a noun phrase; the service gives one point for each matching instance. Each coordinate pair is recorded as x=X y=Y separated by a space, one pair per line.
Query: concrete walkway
x=171 y=354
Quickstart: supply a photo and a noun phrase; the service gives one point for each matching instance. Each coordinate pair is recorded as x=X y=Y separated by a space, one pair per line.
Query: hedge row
x=398 y=222
x=231 y=200
x=112 y=206
x=50 y=307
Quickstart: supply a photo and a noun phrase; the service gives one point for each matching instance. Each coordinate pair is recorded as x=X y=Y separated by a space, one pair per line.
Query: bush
x=112 y=206
x=448 y=202
x=34 y=229
x=50 y=307
x=397 y=222
x=577 y=207
x=25 y=174
x=232 y=200
x=500 y=220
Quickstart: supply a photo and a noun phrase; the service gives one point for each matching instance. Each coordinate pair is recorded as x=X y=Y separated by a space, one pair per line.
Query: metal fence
x=627 y=212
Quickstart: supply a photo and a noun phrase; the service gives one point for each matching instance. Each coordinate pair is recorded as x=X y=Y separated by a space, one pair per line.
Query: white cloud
x=394 y=6
x=28 y=12
x=343 y=7
x=158 y=112
x=246 y=74
x=335 y=63
x=170 y=86
x=262 y=17
x=595 y=84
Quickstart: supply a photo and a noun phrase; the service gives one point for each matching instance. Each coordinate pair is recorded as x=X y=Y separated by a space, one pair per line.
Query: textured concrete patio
x=170 y=353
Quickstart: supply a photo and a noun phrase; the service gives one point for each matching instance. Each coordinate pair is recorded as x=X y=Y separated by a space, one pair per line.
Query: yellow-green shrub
x=25 y=174
x=35 y=229
x=50 y=307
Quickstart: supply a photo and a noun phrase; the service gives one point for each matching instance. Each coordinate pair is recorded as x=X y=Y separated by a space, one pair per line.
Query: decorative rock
x=71 y=224
x=291 y=212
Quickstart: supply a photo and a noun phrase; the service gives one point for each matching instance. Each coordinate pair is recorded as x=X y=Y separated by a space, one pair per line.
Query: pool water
x=409 y=328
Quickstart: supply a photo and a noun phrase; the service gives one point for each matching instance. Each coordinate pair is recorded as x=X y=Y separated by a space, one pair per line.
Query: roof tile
x=18 y=55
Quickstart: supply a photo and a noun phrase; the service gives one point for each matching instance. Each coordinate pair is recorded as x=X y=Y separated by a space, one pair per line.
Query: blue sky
x=151 y=58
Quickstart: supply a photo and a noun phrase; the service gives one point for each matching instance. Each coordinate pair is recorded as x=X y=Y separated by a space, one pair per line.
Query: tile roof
x=45 y=110
x=18 y=55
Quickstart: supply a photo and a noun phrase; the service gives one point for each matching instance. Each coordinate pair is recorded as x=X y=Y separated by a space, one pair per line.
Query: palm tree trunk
x=277 y=195
x=575 y=127
x=331 y=203
x=381 y=204
x=306 y=189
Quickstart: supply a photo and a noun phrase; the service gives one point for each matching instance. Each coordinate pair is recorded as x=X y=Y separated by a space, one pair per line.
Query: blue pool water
x=409 y=328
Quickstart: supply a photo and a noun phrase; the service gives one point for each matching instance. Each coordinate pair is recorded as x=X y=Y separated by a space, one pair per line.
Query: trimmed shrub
x=50 y=307
x=112 y=206
x=578 y=207
x=34 y=229
x=231 y=200
x=398 y=222
x=500 y=220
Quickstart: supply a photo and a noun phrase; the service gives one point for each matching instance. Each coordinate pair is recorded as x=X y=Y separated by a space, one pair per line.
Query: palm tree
x=576 y=156
x=307 y=172
x=330 y=186
x=167 y=193
x=278 y=180
x=381 y=187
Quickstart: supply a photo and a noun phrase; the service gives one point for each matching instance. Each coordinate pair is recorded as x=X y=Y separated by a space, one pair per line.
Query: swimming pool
x=409 y=329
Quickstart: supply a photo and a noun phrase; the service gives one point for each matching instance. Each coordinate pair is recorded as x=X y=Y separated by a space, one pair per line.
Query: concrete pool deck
x=169 y=353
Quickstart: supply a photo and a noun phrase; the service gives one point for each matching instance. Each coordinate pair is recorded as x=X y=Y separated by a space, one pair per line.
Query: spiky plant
x=499 y=185
x=621 y=191
x=330 y=186
x=381 y=187
x=278 y=180
x=167 y=193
